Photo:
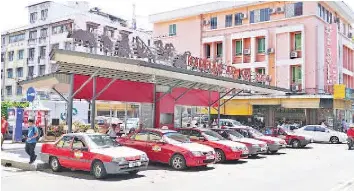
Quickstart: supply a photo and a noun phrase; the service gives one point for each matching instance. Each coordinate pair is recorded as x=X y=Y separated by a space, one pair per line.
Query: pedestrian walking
x=4 y=129
x=31 y=140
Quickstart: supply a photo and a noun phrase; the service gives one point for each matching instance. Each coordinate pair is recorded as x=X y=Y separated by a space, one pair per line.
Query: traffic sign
x=31 y=94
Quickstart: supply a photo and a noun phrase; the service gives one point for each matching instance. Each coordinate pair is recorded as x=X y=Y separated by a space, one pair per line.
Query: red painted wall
x=120 y=90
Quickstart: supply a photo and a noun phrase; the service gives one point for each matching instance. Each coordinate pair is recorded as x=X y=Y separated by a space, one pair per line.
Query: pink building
x=287 y=40
x=304 y=46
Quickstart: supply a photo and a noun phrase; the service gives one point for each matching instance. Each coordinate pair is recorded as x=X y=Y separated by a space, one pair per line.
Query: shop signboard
x=339 y=91
x=331 y=54
x=219 y=69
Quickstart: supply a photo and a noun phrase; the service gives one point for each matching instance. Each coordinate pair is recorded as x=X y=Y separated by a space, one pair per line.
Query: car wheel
x=178 y=162
x=295 y=143
x=219 y=156
x=254 y=155
x=55 y=164
x=272 y=152
x=134 y=172
x=98 y=170
x=334 y=140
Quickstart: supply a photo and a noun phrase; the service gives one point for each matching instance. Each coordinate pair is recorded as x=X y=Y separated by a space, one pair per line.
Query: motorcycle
x=350 y=143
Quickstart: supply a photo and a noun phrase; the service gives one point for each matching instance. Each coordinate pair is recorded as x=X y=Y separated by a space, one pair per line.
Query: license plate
x=245 y=152
x=210 y=157
x=134 y=164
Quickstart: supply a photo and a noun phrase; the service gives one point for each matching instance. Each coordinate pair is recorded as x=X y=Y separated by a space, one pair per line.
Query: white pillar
x=253 y=74
x=212 y=51
x=224 y=51
x=253 y=49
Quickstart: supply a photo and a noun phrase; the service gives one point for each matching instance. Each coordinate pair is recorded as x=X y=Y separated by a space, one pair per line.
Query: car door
x=63 y=151
x=156 y=148
x=321 y=134
x=308 y=130
x=280 y=133
x=138 y=141
x=80 y=155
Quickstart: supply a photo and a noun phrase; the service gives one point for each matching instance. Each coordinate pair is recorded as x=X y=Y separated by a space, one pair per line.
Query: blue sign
x=18 y=125
x=31 y=94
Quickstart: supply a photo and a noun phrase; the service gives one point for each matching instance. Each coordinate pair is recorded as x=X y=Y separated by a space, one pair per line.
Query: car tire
x=219 y=156
x=254 y=155
x=334 y=140
x=272 y=152
x=98 y=170
x=55 y=164
x=295 y=143
x=178 y=162
x=134 y=172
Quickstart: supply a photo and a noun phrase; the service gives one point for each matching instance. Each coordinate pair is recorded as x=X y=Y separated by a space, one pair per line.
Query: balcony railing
x=32 y=41
x=296 y=87
x=42 y=39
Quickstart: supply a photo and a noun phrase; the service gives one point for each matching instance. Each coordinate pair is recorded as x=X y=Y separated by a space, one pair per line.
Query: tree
x=9 y=104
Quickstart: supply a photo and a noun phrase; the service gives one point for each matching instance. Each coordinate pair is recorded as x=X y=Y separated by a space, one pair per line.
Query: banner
x=339 y=91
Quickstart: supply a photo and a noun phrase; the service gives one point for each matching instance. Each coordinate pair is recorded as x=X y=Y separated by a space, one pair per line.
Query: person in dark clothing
x=31 y=140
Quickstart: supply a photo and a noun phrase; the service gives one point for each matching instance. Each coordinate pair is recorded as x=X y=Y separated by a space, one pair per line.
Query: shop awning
x=71 y=62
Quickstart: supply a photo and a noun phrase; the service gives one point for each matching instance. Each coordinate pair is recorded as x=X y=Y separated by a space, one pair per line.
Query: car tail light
x=301 y=137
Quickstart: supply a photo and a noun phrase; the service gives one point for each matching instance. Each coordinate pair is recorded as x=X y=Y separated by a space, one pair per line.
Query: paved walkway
x=14 y=155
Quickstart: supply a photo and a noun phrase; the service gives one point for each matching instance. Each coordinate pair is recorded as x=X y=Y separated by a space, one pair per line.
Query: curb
x=24 y=165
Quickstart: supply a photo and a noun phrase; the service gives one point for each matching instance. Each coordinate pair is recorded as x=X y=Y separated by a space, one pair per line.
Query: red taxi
x=274 y=143
x=95 y=152
x=224 y=149
x=170 y=147
x=291 y=137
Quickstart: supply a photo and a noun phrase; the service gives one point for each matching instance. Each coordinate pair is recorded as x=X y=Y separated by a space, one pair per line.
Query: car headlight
x=197 y=153
x=119 y=160
x=144 y=157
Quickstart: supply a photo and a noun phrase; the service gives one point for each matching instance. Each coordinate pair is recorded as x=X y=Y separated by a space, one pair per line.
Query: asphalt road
x=321 y=167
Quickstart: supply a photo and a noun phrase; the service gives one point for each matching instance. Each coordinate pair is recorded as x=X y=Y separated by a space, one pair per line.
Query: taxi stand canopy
x=66 y=64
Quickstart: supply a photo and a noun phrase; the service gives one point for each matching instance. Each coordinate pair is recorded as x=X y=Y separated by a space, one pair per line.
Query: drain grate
x=8 y=164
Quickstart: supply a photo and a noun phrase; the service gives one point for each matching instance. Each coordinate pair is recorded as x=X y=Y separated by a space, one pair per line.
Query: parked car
x=95 y=152
x=292 y=138
x=226 y=123
x=170 y=147
x=224 y=149
x=323 y=134
x=274 y=144
x=254 y=146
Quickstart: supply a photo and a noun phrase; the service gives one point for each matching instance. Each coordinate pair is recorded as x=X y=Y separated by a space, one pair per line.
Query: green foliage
x=10 y=104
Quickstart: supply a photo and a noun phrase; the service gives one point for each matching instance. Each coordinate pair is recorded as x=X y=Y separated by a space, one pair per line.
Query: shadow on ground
x=160 y=166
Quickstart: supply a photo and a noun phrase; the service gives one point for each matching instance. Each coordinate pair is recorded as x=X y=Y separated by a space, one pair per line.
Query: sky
x=14 y=12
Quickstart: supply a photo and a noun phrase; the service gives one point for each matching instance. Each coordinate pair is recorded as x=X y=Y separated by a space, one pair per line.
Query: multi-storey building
x=25 y=51
x=307 y=47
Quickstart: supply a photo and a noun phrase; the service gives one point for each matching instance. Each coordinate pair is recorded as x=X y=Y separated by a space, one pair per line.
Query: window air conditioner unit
x=270 y=50
x=293 y=54
x=206 y=22
x=272 y=11
x=246 y=51
x=295 y=87
x=280 y=10
x=243 y=16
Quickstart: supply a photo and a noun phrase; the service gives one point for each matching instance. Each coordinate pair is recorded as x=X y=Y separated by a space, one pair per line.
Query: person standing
x=4 y=129
x=31 y=140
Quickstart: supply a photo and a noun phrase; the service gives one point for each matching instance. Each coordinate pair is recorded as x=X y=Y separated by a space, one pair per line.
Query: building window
x=41 y=70
x=298 y=41
x=30 y=71
x=214 y=23
x=238 y=47
x=19 y=90
x=43 y=32
x=296 y=76
x=17 y=38
x=60 y=29
x=330 y=18
x=218 y=50
x=228 y=20
x=10 y=56
x=9 y=90
x=32 y=34
x=67 y=46
x=20 y=54
x=31 y=52
x=207 y=50
x=55 y=46
x=323 y=13
x=2 y=57
x=42 y=51
x=10 y=73
x=44 y=14
x=319 y=10
x=294 y=9
x=260 y=15
x=19 y=72
x=33 y=17
x=172 y=30
x=2 y=40
x=261 y=45
x=238 y=19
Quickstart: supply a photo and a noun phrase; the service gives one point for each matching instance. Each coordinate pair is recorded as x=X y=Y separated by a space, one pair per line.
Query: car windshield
x=236 y=123
x=102 y=141
x=235 y=134
x=255 y=133
x=212 y=136
x=288 y=131
x=132 y=121
x=176 y=138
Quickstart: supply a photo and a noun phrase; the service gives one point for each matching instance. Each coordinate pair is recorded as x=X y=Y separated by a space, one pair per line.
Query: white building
x=25 y=50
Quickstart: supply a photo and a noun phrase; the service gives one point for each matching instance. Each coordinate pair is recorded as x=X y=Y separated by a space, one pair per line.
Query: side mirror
x=201 y=138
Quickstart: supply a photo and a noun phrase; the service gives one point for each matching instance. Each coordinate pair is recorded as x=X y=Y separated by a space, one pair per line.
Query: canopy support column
x=61 y=95
x=69 y=118
x=93 y=103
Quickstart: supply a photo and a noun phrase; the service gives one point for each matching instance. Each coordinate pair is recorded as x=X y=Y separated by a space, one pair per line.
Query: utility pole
x=134 y=18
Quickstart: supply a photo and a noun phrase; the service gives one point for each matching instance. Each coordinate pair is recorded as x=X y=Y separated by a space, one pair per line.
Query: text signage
x=218 y=69
x=331 y=54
